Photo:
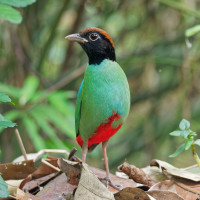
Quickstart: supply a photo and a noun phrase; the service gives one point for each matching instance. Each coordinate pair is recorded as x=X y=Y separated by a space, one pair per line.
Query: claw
x=108 y=182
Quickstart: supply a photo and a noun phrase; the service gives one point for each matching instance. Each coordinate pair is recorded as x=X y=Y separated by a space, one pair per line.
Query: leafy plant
x=192 y=31
x=185 y=132
x=3 y=188
x=41 y=112
x=9 y=13
x=5 y=123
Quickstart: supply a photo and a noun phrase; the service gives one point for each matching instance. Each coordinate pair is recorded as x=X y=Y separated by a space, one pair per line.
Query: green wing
x=78 y=109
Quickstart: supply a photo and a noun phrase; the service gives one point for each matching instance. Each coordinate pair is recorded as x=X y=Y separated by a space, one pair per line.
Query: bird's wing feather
x=78 y=109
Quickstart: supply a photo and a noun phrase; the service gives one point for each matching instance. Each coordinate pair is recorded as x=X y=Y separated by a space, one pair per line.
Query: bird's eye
x=94 y=36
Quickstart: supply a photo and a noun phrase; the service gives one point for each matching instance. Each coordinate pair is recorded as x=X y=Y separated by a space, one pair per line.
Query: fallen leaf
x=21 y=195
x=13 y=185
x=16 y=171
x=123 y=182
x=56 y=189
x=71 y=169
x=164 y=195
x=173 y=171
x=34 y=186
x=90 y=188
x=131 y=194
x=136 y=174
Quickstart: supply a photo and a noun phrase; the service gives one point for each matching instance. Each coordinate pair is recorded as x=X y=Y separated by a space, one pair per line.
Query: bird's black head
x=97 y=44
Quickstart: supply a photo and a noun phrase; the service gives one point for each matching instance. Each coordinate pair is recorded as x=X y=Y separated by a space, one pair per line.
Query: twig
x=21 y=144
x=195 y=155
x=50 y=165
x=11 y=196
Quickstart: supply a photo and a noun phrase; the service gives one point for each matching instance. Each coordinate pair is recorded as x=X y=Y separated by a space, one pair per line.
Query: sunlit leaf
x=28 y=90
x=175 y=133
x=40 y=119
x=33 y=132
x=178 y=150
x=62 y=122
x=3 y=188
x=10 y=14
x=197 y=142
x=192 y=31
x=188 y=143
x=4 y=97
x=184 y=124
x=5 y=123
x=185 y=133
x=18 y=3
x=13 y=92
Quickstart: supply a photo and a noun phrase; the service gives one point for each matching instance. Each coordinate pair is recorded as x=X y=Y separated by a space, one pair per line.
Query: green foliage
x=5 y=123
x=40 y=111
x=187 y=134
x=10 y=14
x=3 y=188
x=192 y=31
x=4 y=97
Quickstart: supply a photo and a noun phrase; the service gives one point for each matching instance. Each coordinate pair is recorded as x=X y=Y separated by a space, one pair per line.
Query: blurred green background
x=42 y=72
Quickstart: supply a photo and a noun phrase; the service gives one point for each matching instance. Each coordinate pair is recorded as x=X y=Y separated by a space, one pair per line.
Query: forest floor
x=69 y=179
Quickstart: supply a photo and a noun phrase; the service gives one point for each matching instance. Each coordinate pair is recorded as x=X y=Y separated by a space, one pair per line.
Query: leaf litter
x=71 y=180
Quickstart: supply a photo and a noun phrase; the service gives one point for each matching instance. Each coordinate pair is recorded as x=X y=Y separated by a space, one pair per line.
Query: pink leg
x=84 y=151
x=107 y=178
x=104 y=145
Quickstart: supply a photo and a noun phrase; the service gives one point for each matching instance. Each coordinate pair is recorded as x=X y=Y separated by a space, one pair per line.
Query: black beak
x=76 y=38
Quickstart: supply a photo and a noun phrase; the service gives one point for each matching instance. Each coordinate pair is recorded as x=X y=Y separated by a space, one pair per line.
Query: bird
x=103 y=100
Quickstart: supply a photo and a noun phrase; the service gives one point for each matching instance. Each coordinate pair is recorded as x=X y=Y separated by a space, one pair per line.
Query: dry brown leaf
x=136 y=174
x=13 y=185
x=154 y=173
x=21 y=195
x=71 y=169
x=164 y=195
x=123 y=182
x=34 y=186
x=171 y=170
x=17 y=171
x=167 y=185
x=131 y=194
x=90 y=188
x=56 y=189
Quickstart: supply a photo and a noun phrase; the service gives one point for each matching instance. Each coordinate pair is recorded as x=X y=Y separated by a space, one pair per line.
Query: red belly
x=103 y=132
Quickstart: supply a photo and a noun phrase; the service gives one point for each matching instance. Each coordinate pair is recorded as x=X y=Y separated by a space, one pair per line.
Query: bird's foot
x=107 y=181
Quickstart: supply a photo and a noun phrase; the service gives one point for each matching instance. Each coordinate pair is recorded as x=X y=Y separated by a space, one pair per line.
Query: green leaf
x=197 y=142
x=11 y=115
x=192 y=31
x=192 y=133
x=188 y=143
x=185 y=133
x=4 y=97
x=18 y=3
x=10 y=14
x=5 y=123
x=40 y=118
x=3 y=188
x=33 y=132
x=184 y=124
x=29 y=89
x=178 y=151
x=64 y=123
x=13 y=92
x=175 y=133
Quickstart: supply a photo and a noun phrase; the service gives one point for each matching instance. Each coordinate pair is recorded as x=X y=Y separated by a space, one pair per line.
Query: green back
x=105 y=89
